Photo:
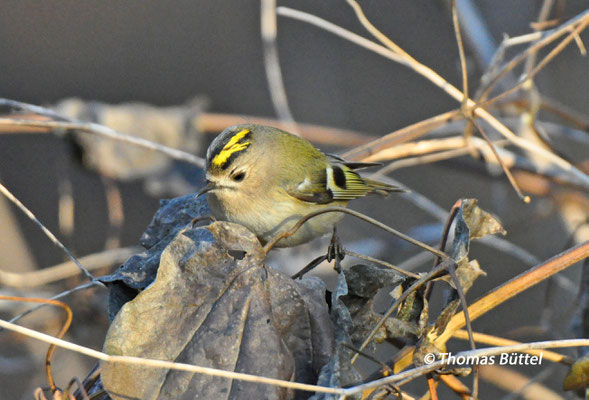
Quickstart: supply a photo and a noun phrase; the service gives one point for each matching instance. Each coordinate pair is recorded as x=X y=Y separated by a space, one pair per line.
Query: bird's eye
x=238 y=177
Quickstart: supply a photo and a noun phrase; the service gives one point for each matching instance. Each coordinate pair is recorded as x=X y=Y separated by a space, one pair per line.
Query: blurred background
x=207 y=57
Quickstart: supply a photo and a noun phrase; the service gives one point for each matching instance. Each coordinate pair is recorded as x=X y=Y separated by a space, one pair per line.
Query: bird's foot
x=335 y=252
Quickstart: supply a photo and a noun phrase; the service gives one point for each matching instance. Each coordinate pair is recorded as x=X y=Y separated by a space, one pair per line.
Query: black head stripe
x=227 y=147
x=339 y=177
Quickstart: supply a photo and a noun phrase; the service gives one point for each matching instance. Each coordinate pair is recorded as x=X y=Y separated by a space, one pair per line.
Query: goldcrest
x=267 y=179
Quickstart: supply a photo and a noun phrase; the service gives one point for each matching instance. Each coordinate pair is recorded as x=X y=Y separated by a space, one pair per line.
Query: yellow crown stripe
x=231 y=147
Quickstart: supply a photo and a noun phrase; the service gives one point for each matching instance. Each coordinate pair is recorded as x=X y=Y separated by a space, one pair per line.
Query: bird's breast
x=272 y=213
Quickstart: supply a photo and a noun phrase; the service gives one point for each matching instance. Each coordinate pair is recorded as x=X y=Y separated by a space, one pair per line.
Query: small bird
x=266 y=179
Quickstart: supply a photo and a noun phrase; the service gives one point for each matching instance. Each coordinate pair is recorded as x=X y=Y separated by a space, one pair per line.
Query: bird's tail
x=382 y=188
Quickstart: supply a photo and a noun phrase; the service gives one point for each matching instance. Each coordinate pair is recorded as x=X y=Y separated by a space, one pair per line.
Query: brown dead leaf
x=215 y=304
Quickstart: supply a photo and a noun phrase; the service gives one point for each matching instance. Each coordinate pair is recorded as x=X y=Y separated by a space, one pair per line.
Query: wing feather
x=337 y=182
x=313 y=189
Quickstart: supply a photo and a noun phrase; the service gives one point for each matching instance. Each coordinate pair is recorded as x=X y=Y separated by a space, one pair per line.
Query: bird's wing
x=354 y=185
x=345 y=184
x=336 y=182
x=312 y=189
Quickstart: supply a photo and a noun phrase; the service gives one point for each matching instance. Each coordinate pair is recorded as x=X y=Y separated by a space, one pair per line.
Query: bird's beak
x=208 y=187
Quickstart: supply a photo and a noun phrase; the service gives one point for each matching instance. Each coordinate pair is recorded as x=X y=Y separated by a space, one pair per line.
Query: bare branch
x=486 y=352
x=272 y=63
x=46 y=231
x=66 y=269
x=101 y=130
x=300 y=222
x=165 y=364
x=436 y=79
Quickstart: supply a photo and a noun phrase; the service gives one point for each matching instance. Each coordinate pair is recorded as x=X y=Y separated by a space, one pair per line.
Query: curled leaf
x=215 y=304
x=139 y=270
x=472 y=223
x=480 y=222
x=338 y=372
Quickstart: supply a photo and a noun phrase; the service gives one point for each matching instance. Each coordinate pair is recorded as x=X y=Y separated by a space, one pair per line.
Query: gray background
x=165 y=53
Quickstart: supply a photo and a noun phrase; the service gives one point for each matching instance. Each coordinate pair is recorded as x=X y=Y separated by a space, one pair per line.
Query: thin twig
x=310 y=266
x=58 y=296
x=66 y=269
x=431 y=385
x=457 y=286
x=435 y=78
x=549 y=57
x=508 y=158
x=417 y=148
x=464 y=99
x=101 y=130
x=367 y=356
x=491 y=78
x=454 y=384
x=272 y=63
x=60 y=334
x=433 y=209
x=418 y=283
x=504 y=292
x=287 y=233
x=491 y=340
x=81 y=389
x=19 y=105
x=540 y=40
x=517 y=285
x=165 y=364
x=216 y=122
x=519 y=386
x=413 y=373
x=479 y=353
x=425 y=159
x=577 y=119
x=397 y=137
x=464 y=304
x=468 y=115
x=553 y=130
x=376 y=33
x=381 y=262
x=461 y=54
x=526 y=199
x=476 y=31
x=46 y=231
x=542 y=17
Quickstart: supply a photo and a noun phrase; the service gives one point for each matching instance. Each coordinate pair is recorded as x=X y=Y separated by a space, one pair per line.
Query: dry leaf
x=215 y=304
